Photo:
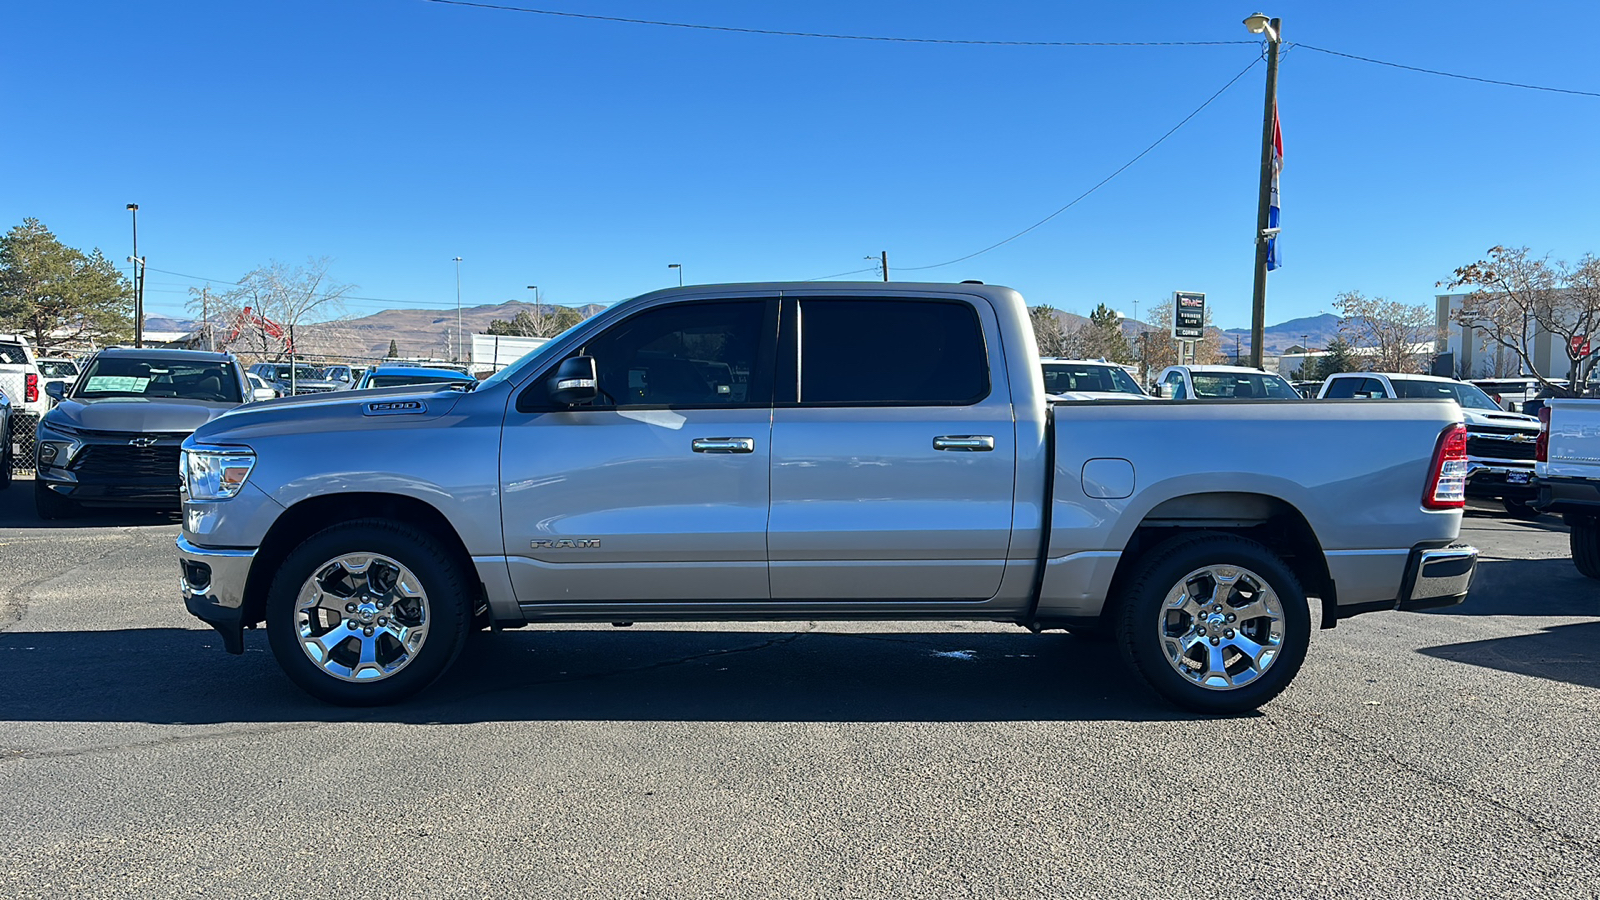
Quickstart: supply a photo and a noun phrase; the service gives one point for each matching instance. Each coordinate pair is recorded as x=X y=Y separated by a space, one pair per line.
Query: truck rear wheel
x=1585 y=542
x=1214 y=623
x=367 y=612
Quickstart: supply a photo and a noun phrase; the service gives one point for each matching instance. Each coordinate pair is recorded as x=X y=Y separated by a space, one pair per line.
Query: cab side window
x=1342 y=388
x=708 y=354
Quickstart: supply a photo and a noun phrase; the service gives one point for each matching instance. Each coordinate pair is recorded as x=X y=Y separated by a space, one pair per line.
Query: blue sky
x=584 y=156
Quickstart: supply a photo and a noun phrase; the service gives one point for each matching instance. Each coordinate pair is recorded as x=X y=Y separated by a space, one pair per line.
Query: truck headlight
x=215 y=474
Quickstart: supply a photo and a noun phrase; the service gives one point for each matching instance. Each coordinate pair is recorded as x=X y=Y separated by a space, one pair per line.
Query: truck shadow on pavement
x=1559 y=653
x=1527 y=587
x=180 y=676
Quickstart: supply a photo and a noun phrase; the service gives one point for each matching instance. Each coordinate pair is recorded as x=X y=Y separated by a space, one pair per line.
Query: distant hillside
x=427 y=332
x=1315 y=331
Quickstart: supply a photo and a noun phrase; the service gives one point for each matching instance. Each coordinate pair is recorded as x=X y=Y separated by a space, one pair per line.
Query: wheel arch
x=315 y=514
x=1268 y=520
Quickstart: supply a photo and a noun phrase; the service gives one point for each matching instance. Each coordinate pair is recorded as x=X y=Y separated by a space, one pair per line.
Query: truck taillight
x=1541 y=447
x=32 y=388
x=1447 y=481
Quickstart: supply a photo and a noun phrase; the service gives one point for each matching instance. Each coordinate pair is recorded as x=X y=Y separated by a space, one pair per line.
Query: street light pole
x=138 y=281
x=679 y=267
x=458 y=308
x=538 y=311
x=1273 y=29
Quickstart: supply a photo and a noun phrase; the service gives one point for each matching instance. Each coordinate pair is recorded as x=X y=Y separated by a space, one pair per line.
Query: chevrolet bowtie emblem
x=142 y=442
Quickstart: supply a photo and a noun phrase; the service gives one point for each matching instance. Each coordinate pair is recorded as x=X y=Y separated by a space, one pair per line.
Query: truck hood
x=143 y=414
x=332 y=411
x=1482 y=417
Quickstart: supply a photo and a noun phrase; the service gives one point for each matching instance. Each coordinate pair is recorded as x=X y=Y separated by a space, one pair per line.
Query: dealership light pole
x=138 y=281
x=538 y=311
x=458 y=308
x=679 y=267
x=1273 y=29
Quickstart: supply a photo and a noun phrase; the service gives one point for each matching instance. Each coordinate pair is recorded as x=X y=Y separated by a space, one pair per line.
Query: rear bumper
x=1571 y=496
x=1435 y=576
x=1438 y=577
x=213 y=583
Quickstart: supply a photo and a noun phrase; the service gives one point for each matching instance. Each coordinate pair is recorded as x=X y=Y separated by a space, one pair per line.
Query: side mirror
x=263 y=393
x=56 y=389
x=1164 y=391
x=574 y=381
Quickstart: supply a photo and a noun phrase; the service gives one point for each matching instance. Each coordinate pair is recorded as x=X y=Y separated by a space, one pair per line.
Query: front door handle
x=969 y=442
x=724 y=445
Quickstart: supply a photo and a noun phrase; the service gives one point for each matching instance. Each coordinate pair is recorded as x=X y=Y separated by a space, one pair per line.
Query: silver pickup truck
x=811 y=452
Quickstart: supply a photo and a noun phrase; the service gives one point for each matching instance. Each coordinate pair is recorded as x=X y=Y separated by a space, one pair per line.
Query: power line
x=1101 y=183
x=842 y=274
x=836 y=37
x=1395 y=65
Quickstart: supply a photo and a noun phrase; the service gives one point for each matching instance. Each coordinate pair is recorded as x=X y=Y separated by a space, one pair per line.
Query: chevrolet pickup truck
x=812 y=452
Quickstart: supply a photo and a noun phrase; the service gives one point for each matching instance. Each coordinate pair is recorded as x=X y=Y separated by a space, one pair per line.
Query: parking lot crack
x=1317 y=723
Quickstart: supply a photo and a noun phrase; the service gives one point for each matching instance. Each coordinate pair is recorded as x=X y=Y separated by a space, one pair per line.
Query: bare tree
x=266 y=313
x=1399 y=336
x=1160 y=350
x=1049 y=332
x=1516 y=295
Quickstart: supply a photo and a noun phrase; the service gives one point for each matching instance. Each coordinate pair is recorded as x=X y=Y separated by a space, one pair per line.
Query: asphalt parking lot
x=1433 y=754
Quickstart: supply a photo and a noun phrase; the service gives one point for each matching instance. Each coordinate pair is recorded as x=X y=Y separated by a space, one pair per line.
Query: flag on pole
x=1274 y=258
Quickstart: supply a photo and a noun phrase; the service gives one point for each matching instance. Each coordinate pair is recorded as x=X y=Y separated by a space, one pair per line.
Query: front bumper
x=1495 y=478
x=213 y=584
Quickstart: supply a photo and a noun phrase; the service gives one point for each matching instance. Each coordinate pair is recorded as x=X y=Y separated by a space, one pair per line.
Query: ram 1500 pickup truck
x=812 y=452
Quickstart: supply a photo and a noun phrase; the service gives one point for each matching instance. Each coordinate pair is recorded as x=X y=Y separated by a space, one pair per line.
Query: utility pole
x=458 y=308
x=885 y=265
x=1273 y=29
x=138 y=281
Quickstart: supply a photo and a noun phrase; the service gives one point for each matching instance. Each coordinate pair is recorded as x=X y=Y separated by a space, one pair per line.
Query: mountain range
x=430 y=332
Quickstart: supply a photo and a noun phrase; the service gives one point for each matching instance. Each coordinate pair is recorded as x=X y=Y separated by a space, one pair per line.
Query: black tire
x=1585 y=541
x=444 y=583
x=1520 y=509
x=7 y=458
x=1142 y=615
x=51 y=505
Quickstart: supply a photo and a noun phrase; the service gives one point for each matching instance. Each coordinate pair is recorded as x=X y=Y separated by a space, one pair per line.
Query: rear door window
x=868 y=352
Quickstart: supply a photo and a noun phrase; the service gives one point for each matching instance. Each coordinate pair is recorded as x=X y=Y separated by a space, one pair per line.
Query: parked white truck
x=812 y=451
x=1567 y=474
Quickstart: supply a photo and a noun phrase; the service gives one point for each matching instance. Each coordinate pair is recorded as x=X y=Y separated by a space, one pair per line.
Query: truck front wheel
x=367 y=612
x=1214 y=623
x=1585 y=543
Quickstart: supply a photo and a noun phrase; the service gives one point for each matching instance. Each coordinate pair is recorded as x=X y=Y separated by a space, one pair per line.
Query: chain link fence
x=22 y=440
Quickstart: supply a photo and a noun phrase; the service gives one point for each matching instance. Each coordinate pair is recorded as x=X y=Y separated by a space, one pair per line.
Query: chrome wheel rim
x=1221 y=627
x=361 y=617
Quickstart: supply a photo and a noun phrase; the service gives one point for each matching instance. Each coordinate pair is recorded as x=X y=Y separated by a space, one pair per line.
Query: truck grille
x=1499 y=446
x=120 y=464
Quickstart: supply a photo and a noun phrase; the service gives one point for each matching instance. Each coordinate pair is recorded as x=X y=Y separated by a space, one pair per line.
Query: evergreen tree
x=58 y=295
x=394 y=350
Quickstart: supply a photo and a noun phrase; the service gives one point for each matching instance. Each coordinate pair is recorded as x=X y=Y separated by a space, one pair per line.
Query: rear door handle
x=724 y=445
x=969 y=442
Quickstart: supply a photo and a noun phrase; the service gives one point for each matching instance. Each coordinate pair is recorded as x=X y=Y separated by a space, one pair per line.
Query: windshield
x=382 y=381
x=54 y=369
x=1469 y=396
x=1242 y=386
x=532 y=358
x=1061 y=378
x=125 y=376
x=301 y=373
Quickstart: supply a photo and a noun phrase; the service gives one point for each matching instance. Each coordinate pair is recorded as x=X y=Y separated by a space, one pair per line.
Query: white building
x=1478 y=357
